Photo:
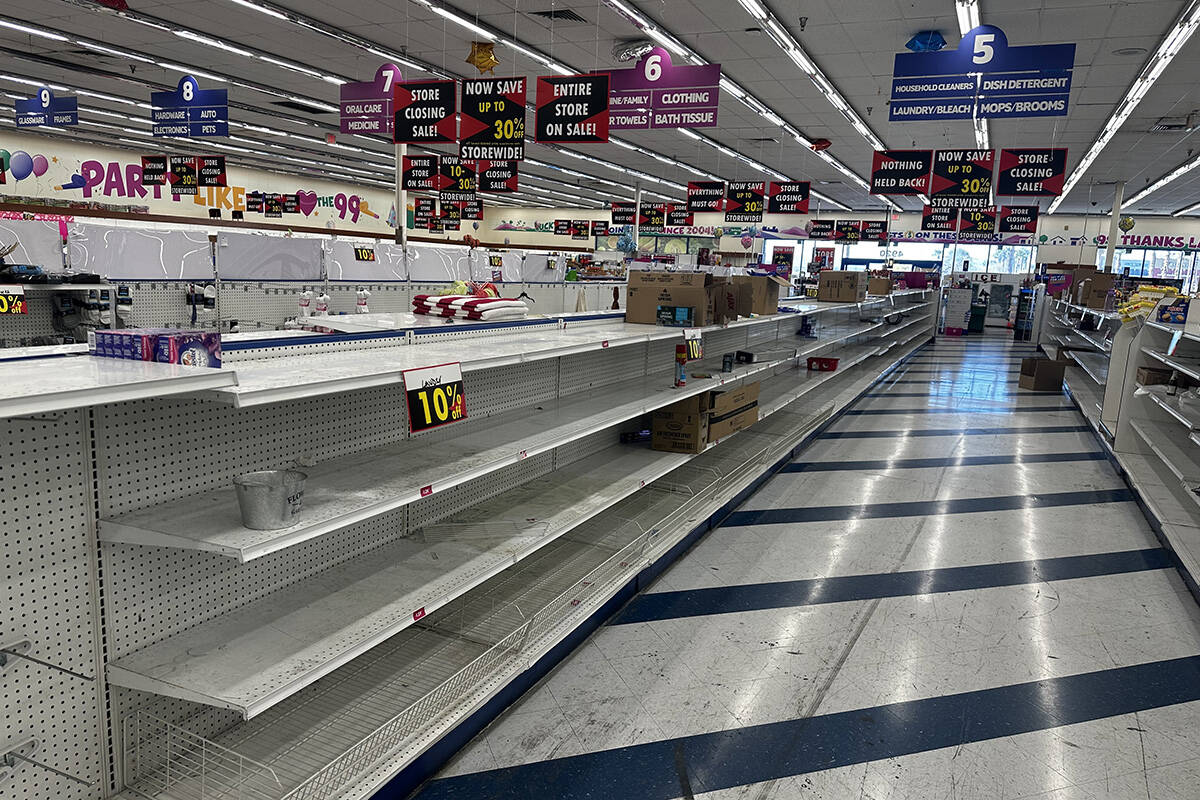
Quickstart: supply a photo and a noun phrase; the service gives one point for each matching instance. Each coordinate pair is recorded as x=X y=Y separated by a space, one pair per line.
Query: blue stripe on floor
x=954 y=432
x=926 y=508
x=875 y=412
x=743 y=756
x=966 y=371
x=971 y=380
x=790 y=594
x=945 y=461
x=997 y=396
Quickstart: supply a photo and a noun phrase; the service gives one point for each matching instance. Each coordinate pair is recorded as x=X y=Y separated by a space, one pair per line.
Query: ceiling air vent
x=1175 y=124
x=294 y=106
x=559 y=15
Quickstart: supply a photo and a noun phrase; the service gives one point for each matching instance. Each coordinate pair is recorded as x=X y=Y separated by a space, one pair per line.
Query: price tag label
x=364 y=254
x=12 y=300
x=435 y=396
x=695 y=345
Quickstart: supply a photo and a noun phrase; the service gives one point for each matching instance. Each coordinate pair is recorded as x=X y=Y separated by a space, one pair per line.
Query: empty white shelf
x=1094 y=364
x=1164 y=441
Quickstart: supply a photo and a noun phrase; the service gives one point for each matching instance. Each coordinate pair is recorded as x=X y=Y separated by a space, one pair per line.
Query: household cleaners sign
x=983 y=77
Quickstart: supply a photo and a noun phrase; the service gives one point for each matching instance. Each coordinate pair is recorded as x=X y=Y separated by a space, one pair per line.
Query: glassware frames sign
x=901 y=172
x=189 y=111
x=705 y=196
x=425 y=113
x=572 y=109
x=497 y=177
x=46 y=109
x=961 y=178
x=788 y=198
x=939 y=220
x=982 y=78
x=1017 y=219
x=420 y=173
x=657 y=94
x=1034 y=172
x=367 y=106
x=493 y=120
x=744 y=201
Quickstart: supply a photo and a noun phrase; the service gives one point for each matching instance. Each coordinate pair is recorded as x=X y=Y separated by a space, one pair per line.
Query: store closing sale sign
x=572 y=109
x=658 y=94
x=788 y=198
x=1037 y=172
x=425 y=113
x=961 y=178
x=903 y=172
x=497 y=177
x=983 y=78
x=493 y=120
x=744 y=201
x=435 y=396
x=1017 y=219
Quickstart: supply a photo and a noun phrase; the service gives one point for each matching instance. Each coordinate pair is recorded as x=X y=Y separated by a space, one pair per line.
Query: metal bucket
x=270 y=499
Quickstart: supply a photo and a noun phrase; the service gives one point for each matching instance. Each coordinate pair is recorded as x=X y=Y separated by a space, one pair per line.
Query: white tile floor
x=683 y=676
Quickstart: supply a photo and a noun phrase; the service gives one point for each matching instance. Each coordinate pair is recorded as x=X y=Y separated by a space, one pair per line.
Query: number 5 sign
x=435 y=396
x=658 y=94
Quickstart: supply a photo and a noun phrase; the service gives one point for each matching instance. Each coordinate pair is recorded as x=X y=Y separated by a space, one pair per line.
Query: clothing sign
x=493 y=119
x=420 y=173
x=657 y=94
x=847 y=230
x=961 y=178
x=154 y=170
x=983 y=77
x=497 y=176
x=190 y=111
x=425 y=113
x=977 y=223
x=744 y=201
x=210 y=171
x=788 y=198
x=572 y=109
x=820 y=229
x=456 y=182
x=1032 y=172
x=705 y=196
x=875 y=230
x=367 y=107
x=623 y=213
x=47 y=109
x=944 y=220
x=904 y=172
x=1017 y=219
x=183 y=175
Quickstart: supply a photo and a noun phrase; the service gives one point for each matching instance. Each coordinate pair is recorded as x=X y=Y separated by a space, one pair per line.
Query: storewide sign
x=657 y=94
x=493 y=120
x=982 y=78
x=961 y=178
x=744 y=201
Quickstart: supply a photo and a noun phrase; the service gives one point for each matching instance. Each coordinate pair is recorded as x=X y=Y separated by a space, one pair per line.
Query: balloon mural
x=21 y=165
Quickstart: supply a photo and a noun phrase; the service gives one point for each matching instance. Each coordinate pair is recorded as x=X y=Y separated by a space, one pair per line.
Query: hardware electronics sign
x=984 y=77
x=657 y=94
x=189 y=111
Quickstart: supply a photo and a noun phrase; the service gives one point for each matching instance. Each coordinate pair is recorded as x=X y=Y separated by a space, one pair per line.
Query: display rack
x=430 y=570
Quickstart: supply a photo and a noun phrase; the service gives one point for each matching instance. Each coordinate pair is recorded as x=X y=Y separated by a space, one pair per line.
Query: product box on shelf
x=1173 y=311
x=681 y=427
x=879 y=286
x=842 y=287
x=1042 y=374
x=164 y=345
x=131 y=345
x=732 y=411
x=678 y=299
x=758 y=294
x=1093 y=288
x=1149 y=376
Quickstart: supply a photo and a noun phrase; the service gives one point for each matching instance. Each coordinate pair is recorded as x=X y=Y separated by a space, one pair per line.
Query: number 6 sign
x=658 y=94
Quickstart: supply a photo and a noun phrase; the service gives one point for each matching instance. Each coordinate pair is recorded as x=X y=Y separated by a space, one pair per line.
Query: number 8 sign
x=434 y=396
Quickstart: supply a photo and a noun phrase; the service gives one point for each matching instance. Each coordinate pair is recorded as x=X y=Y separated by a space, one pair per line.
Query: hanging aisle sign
x=623 y=213
x=367 y=107
x=1032 y=172
x=425 y=113
x=493 y=120
x=190 y=111
x=1017 y=219
x=47 y=109
x=744 y=201
x=904 y=172
x=961 y=178
x=497 y=176
x=456 y=182
x=435 y=396
x=705 y=196
x=657 y=94
x=420 y=173
x=944 y=220
x=788 y=198
x=572 y=109
x=977 y=223
x=983 y=77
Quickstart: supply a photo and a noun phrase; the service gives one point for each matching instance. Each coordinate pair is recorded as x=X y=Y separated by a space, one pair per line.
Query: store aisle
x=950 y=594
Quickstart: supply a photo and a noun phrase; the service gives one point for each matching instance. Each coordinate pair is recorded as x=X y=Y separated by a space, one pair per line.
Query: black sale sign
x=977 y=223
x=183 y=175
x=652 y=218
x=820 y=229
x=424 y=211
x=788 y=198
x=744 y=201
x=848 y=230
x=425 y=113
x=599 y=227
x=703 y=196
x=572 y=109
x=1038 y=172
x=210 y=170
x=961 y=178
x=497 y=176
x=456 y=181
x=623 y=213
x=1017 y=219
x=472 y=209
x=493 y=119
x=901 y=171
x=875 y=230
x=420 y=173
x=154 y=170
x=943 y=220
x=679 y=216
x=562 y=227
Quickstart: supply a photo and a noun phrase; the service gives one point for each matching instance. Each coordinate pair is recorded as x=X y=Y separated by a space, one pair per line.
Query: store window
x=967 y=258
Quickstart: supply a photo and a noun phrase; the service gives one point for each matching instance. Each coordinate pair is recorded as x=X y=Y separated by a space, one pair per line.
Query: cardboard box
x=758 y=294
x=842 y=287
x=681 y=427
x=678 y=299
x=1094 y=289
x=165 y=345
x=732 y=411
x=1042 y=374
x=720 y=427
x=724 y=294
x=723 y=402
x=1149 y=376
x=879 y=286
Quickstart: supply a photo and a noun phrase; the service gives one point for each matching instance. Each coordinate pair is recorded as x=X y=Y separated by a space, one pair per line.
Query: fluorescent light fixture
x=665 y=40
x=16 y=26
x=732 y=88
x=191 y=71
x=688 y=133
x=217 y=43
x=270 y=12
x=1188 y=210
x=770 y=117
x=968 y=15
x=1173 y=175
x=110 y=51
x=755 y=8
x=457 y=20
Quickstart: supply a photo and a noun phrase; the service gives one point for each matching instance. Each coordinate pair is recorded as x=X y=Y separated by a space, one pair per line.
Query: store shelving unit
x=1086 y=336
x=429 y=570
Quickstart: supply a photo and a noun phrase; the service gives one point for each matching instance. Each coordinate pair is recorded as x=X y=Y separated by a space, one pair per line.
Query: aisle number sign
x=656 y=93
x=48 y=110
x=366 y=107
x=435 y=396
x=12 y=300
x=190 y=111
